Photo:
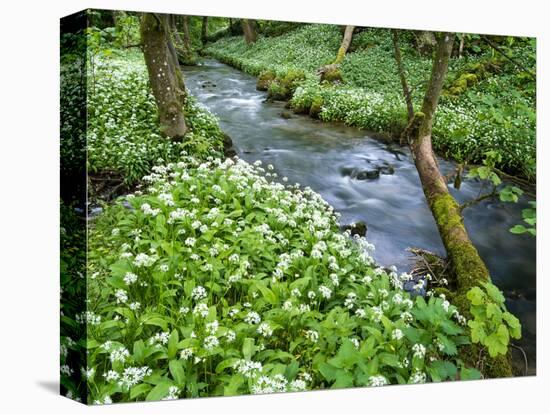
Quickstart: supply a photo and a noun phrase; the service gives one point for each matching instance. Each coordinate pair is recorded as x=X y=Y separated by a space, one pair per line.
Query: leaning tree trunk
x=164 y=73
x=464 y=258
x=468 y=267
x=346 y=42
x=204 y=30
x=249 y=30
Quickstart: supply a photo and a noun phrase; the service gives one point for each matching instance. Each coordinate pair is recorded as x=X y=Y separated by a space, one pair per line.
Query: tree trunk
x=346 y=42
x=186 y=35
x=467 y=265
x=164 y=73
x=402 y=77
x=425 y=41
x=174 y=30
x=204 y=30
x=249 y=30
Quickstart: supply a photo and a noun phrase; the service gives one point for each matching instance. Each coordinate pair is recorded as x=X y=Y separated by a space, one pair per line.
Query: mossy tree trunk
x=346 y=42
x=468 y=267
x=204 y=30
x=402 y=77
x=165 y=76
x=249 y=30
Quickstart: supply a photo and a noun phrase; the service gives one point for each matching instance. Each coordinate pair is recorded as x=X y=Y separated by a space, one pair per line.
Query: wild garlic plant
x=219 y=280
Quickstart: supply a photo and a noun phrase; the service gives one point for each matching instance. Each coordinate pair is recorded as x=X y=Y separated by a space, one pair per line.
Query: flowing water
x=321 y=155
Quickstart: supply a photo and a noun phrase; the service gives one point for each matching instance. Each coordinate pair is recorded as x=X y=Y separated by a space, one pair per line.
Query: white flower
x=419 y=351
x=119 y=354
x=230 y=336
x=212 y=327
x=134 y=306
x=198 y=293
x=360 y=313
x=159 y=338
x=418 y=377
x=130 y=278
x=265 y=330
x=210 y=342
x=143 y=260
x=190 y=241
x=377 y=381
x=121 y=296
x=111 y=376
x=201 y=309
x=312 y=335
x=252 y=318
x=186 y=353
x=133 y=375
x=297 y=385
x=173 y=393
x=164 y=268
x=248 y=368
x=397 y=334
x=66 y=370
x=325 y=292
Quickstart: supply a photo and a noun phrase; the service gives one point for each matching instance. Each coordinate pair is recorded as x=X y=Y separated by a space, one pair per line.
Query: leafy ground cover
x=123 y=133
x=218 y=280
x=493 y=113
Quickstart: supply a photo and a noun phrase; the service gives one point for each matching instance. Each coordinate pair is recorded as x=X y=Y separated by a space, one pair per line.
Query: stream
x=327 y=158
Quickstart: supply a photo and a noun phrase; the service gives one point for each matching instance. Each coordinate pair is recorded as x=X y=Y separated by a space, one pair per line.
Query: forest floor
x=484 y=106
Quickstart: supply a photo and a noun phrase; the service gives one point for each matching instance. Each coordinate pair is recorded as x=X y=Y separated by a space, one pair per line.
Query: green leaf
x=173 y=344
x=518 y=229
x=513 y=324
x=497 y=342
x=477 y=331
x=158 y=392
x=267 y=293
x=443 y=369
x=469 y=374
x=328 y=371
x=292 y=370
x=177 y=371
x=157 y=321
x=248 y=348
x=494 y=292
x=139 y=348
x=234 y=384
x=476 y=296
x=138 y=390
x=344 y=379
x=347 y=355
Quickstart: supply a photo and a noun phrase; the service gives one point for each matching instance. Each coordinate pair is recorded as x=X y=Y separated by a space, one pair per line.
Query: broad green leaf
x=158 y=392
x=177 y=371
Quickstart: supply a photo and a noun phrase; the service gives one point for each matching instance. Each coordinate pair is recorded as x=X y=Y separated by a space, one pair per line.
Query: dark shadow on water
x=51 y=386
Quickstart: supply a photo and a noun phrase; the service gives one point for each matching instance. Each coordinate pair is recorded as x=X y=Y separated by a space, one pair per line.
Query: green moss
x=316 y=107
x=292 y=78
x=332 y=76
x=265 y=79
x=469 y=271
x=278 y=92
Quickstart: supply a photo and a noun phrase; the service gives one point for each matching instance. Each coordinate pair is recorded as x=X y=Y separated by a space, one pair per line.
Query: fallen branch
x=477 y=200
